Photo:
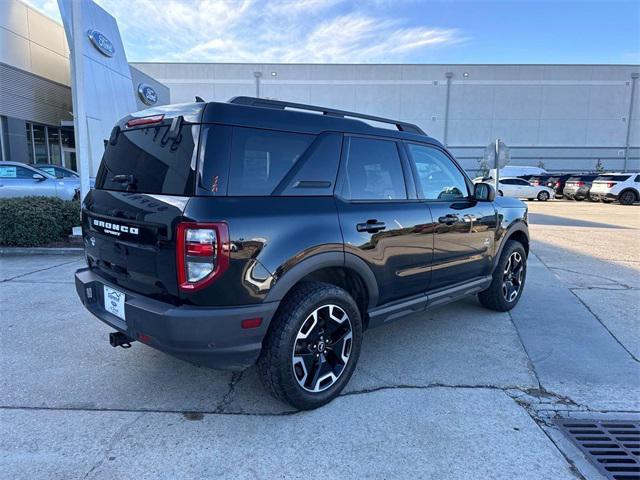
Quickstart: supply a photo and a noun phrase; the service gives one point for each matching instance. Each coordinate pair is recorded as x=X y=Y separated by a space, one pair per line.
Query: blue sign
x=102 y=43
x=147 y=94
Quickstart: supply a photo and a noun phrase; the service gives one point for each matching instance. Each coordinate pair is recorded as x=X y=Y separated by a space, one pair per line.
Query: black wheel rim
x=512 y=277
x=627 y=197
x=322 y=348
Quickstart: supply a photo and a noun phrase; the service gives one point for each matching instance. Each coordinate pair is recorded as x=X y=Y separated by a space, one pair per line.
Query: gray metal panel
x=29 y=97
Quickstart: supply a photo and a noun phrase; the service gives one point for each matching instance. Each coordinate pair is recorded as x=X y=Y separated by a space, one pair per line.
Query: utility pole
x=634 y=78
x=449 y=76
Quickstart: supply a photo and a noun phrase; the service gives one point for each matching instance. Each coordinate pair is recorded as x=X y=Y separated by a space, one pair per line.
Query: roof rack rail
x=267 y=103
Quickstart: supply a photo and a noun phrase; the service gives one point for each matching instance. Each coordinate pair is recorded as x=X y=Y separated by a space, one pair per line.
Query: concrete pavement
x=460 y=392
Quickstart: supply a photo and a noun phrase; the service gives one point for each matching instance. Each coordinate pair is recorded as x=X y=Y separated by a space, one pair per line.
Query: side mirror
x=39 y=177
x=483 y=192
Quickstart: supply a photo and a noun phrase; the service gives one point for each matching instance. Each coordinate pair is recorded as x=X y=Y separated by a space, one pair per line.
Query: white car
x=519 y=188
x=609 y=187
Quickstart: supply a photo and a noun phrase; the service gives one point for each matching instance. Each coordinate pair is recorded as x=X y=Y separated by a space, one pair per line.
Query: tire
x=531 y=199
x=495 y=297
x=295 y=345
x=543 y=196
x=628 y=197
x=594 y=199
x=578 y=199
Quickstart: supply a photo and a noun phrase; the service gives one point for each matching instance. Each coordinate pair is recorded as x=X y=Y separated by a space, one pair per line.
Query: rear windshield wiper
x=129 y=181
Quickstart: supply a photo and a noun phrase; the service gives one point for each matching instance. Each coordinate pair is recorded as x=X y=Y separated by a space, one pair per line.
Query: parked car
x=21 y=180
x=284 y=235
x=624 y=187
x=577 y=187
x=519 y=188
x=61 y=172
x=517 y=171
x=557 y=184
x=539 y=180
x=55 y=170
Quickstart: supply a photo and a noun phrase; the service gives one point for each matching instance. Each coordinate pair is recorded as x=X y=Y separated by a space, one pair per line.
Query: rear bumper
x=209 y=336
x=603 y=196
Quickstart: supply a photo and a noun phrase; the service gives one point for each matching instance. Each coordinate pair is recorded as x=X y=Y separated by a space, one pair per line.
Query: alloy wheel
x=513 y=277
x=322 y=348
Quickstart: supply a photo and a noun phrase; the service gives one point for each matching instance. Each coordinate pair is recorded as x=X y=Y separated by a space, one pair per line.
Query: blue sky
x=376 y=31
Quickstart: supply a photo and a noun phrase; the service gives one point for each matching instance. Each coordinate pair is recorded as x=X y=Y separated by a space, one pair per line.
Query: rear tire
x=543 y=196
x=312 y=346
x=508 y=279
x=628 y=197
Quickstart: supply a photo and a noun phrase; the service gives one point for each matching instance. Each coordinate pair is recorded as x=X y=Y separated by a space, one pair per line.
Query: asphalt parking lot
x=459 y=392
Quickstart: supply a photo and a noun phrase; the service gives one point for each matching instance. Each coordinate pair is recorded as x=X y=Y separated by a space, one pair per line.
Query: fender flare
x=627 y=189
x=517 y=226
x=323 y=260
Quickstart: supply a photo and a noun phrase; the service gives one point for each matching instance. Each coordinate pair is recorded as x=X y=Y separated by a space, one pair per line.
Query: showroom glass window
x=439 y=178
x=373 y=171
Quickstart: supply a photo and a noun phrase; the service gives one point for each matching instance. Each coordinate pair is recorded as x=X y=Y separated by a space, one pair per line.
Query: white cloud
x=313 y=31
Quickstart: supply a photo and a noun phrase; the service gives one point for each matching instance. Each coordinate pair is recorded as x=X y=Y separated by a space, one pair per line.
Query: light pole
x=634 y=78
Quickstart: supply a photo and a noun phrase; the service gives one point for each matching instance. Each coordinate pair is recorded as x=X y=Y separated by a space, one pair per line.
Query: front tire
x=312 y=346
x=508 y=279
x=543 y=196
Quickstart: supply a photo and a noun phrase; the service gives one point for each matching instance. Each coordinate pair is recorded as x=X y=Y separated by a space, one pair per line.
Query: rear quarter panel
x=268 y=236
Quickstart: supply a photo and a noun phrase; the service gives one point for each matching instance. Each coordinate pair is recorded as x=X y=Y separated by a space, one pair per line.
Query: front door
x=464 y=229
x=382 y=221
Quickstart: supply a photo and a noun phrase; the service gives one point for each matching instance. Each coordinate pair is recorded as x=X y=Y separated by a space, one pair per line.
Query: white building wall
x=567 y=116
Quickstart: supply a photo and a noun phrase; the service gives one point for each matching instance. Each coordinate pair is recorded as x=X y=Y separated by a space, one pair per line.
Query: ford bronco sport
x=260 y=231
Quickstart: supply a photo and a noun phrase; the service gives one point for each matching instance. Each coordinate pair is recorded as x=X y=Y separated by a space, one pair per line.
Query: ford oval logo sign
x=102 y=43
x=147 y=94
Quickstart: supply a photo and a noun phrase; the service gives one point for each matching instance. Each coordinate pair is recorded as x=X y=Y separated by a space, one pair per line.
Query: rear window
x=143 y=160
x=615 y=178
x=261 y=158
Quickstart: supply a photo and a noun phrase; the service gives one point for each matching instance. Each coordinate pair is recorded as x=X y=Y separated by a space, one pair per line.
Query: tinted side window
x=373 y=171
x=261 y=158
x=520 y=182
x=637 y=178
x=439 y=178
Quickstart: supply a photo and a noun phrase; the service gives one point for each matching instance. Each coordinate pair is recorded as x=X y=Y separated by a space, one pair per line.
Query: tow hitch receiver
x=119 y=339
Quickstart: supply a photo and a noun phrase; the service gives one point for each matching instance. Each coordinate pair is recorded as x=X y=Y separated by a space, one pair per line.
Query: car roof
x=294 y=117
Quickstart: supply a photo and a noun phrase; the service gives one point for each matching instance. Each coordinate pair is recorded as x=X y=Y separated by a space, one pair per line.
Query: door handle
x=449 y=219
x=371 y=226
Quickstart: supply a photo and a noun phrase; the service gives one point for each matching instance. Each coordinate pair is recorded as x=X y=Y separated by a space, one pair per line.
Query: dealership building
x=564 y=117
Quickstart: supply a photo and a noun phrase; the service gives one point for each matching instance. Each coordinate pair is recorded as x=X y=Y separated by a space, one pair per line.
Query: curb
x=41 y=251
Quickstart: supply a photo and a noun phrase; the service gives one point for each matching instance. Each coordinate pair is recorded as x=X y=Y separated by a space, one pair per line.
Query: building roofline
x=401 y=64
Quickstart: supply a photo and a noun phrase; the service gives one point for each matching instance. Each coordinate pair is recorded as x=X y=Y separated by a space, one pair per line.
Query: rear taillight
x=579 y=184
x=202 y=252
x=610 y=184
x=557 y=184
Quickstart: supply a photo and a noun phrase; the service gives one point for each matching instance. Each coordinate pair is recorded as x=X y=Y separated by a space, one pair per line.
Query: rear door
x=464 y=229
x=129 y=220
x=382 y=221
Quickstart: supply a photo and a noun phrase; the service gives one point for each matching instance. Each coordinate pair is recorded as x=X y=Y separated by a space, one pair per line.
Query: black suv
x=263 y=231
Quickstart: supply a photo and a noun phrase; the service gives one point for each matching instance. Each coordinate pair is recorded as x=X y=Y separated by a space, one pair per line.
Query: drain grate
x=612 y=446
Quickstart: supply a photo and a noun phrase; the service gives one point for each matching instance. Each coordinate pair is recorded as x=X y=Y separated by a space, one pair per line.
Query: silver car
x=20 y=180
